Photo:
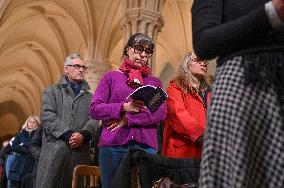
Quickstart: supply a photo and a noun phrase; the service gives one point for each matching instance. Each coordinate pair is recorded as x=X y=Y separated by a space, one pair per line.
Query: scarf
x=74 y=86
x=135 y=74
x=30 y=130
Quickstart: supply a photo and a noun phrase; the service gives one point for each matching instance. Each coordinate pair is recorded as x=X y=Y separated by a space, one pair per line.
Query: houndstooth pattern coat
x=244 y=141
x=62 y=111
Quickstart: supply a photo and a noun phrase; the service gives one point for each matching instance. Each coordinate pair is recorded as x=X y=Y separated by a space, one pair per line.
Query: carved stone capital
x=95 y=70
x=142 y=20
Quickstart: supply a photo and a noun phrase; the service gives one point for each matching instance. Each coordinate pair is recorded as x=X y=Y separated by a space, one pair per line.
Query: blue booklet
x=153 y=97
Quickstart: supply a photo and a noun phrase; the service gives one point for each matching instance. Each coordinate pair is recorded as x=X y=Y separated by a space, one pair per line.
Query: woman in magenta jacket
x=126 y=124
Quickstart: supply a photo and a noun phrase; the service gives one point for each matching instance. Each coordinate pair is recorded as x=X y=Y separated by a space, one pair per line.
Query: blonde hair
x=186 y=80
x=25 y=125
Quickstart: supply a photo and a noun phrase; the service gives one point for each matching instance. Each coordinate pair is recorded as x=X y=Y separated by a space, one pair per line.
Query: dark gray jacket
x=61 y=111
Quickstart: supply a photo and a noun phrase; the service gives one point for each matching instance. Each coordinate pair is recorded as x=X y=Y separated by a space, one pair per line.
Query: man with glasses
x=67 y=126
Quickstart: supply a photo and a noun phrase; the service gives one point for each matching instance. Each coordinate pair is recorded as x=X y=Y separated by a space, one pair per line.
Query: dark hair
x=138 y=38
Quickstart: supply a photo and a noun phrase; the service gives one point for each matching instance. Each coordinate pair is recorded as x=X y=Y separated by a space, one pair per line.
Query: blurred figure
x=126 y=124
x=23 y=163
x=67 y=127
x=10 y=158
x=35 y=148
x=186 y=116
x=5 y=151
x=244 y=141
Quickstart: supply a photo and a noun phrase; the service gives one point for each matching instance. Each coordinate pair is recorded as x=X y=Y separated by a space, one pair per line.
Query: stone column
x=143 y=17
x=96 y=69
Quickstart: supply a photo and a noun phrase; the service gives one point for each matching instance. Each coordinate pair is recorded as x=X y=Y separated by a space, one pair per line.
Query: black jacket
x=152 y=167
x=23 y=163
x=35 y=148
x=232 y=27
x=35 y=144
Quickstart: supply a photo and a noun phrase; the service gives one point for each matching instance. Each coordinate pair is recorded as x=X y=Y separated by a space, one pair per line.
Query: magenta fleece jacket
x=106 y=105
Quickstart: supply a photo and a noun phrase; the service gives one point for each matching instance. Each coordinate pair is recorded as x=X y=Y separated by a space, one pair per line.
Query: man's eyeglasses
x=78 y=67
x=139 y=49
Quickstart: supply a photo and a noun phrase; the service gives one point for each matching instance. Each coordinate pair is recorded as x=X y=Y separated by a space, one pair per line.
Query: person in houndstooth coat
x=244 y=140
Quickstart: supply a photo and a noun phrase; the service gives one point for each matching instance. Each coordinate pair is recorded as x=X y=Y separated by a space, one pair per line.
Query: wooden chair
x=90 y=176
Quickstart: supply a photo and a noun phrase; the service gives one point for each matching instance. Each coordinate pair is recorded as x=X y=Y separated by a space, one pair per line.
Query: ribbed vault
x=36 y=36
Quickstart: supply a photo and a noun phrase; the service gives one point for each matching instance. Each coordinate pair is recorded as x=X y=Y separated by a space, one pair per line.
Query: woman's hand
x=114 y=125
x=133 y=106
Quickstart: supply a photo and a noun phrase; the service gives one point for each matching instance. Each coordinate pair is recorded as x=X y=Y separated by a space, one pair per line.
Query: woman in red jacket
x=186 y=116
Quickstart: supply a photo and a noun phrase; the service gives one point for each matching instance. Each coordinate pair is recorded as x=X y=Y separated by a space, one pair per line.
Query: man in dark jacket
x=67 y=128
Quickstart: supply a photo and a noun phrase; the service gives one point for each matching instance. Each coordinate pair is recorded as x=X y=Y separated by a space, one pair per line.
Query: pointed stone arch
x=35 y=37
x=14 y=115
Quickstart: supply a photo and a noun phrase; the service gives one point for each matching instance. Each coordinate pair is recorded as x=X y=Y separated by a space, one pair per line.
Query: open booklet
x=153 y=97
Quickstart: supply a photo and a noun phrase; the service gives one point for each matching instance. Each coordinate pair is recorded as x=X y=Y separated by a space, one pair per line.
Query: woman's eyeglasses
x=78 y=67
x=139 y=49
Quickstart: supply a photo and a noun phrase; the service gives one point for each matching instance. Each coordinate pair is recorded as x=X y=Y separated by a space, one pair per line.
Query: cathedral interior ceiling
x=36 y=36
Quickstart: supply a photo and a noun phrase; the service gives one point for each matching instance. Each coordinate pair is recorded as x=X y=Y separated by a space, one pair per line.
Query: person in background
x=187 y=103
x=67 y=127
x=10 y=158
x=4 y=152
x=23 y=163
x=126 y=124
x=35 y=148
x=244 y=140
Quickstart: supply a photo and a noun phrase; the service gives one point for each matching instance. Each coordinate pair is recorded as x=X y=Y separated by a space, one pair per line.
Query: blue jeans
x=9 y=162
x=110 y=158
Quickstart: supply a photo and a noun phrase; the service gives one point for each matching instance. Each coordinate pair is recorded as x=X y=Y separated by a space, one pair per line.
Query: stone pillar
x=143 y=17
x=96 y=69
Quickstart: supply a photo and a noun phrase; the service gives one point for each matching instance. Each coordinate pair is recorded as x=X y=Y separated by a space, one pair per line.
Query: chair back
x=90 y=176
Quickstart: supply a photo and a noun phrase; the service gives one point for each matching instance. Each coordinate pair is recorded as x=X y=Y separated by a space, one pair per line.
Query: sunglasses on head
x=197 y=60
